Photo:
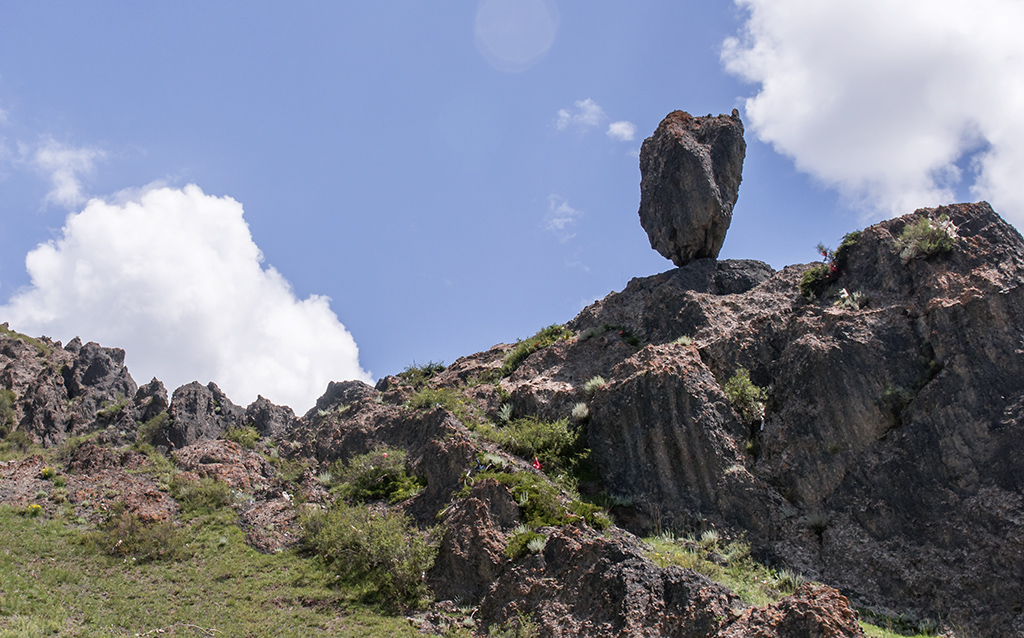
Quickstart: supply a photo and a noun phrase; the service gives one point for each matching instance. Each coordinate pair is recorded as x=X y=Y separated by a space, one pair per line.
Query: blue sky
x=449 y=178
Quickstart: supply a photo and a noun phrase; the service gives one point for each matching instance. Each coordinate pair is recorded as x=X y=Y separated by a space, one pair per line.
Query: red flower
x=536 y=463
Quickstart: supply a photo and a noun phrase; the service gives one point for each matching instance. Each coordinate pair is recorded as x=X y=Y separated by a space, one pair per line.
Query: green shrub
x=747 y=398
x=418 y=375
x=378 y=475
x=523 y=540
x=112 y=409
x=16 y=441
x=526 y=347
x=246 y=436
x=580 y=412
x=7 y=414
x=554 y=443
x=124 y=535
x=926 y=237
x=817 y=279
x=522 y=626
x=539 y=501
x=505 y=413
x=377 y=547
x=144 y=435
x=47 y=473
x=684 y=340
x=208 y=495
x=852 y=301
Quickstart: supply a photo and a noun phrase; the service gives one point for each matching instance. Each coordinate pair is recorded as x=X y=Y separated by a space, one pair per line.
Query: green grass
x=41 y=347
x=526 y=347
x=52 y=584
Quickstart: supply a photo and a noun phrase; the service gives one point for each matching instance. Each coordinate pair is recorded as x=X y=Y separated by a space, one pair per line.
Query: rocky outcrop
x=690 y=178
x=269 y=420
x=198 y=412
x=890 y=433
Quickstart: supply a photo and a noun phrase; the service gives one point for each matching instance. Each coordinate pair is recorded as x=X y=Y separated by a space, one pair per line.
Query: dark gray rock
x=269 y=420
x=690 y=177
x=150 y=400
x=198 y=412
x=343 y=393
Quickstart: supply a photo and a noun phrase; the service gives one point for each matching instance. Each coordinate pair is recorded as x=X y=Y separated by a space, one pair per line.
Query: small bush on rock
x=378 y=547
x=7 y=414
x=375 y=476
x=124 y=535
x=927 y=237
x=246 y=436
x=418 y=375
x=747 y=398
x=594 y=384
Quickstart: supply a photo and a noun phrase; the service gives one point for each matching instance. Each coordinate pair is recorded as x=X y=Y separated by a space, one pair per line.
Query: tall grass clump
x=123 y=534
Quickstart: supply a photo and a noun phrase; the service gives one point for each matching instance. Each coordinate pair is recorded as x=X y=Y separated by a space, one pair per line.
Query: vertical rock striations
x=690 y=177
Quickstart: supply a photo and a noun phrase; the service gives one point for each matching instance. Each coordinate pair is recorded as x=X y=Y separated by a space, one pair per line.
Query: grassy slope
x=53 y=585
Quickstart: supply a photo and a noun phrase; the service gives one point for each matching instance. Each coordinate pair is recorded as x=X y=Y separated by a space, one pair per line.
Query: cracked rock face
x=690 y=177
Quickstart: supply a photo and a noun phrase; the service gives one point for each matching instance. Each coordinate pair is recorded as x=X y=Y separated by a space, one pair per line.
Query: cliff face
x=888 y=459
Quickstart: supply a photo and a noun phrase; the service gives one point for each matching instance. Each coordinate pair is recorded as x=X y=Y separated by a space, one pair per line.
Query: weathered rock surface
x=198 y=412
x=892 y=435
x=690 y=178
x=269 y=420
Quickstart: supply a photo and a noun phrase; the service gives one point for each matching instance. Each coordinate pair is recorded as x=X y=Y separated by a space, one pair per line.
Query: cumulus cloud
x=584 y=114
x=561 y=218
x=622 y=131
x=65 y=166
x=891 y=101
x=174 y=277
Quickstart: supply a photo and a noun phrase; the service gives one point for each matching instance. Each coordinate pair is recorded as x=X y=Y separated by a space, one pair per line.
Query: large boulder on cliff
x=690 y=177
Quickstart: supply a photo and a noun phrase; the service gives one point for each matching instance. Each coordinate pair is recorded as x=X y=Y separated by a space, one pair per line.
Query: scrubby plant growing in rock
x=684 y=340
x=246 y=436
x=124 y=535
x=927 y=237
x=817 y=280
x=7 y=414
x=505 y=413
x=374 y=546
x=377 y=475
x=851 y=300
x=418 y=375
x=526 y=347
x=747 y=398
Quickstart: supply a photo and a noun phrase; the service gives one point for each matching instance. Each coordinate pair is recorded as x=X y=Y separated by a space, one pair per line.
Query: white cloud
x=883 y=98
x=623 y=131
x=561 y=218
x=584 y=114
x=174 y=277
x=65 y=167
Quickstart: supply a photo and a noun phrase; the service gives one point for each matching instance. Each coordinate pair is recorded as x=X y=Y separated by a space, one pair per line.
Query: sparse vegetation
x=505 y=413
x=730 y=565
x=124 y=535
x=556 y=444
x=526 y=347
x=540 y=503
x=41 y=347
x=522 y=626
x=684 y=340
x=747 y=398
x=112 y=408
x=245 y=435
x=851 y=300
x=202 y=497
x=927 y=237
x=418 y=375
x=148 y=430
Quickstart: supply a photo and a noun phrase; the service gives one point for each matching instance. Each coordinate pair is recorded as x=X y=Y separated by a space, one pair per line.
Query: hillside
x=718 y=450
